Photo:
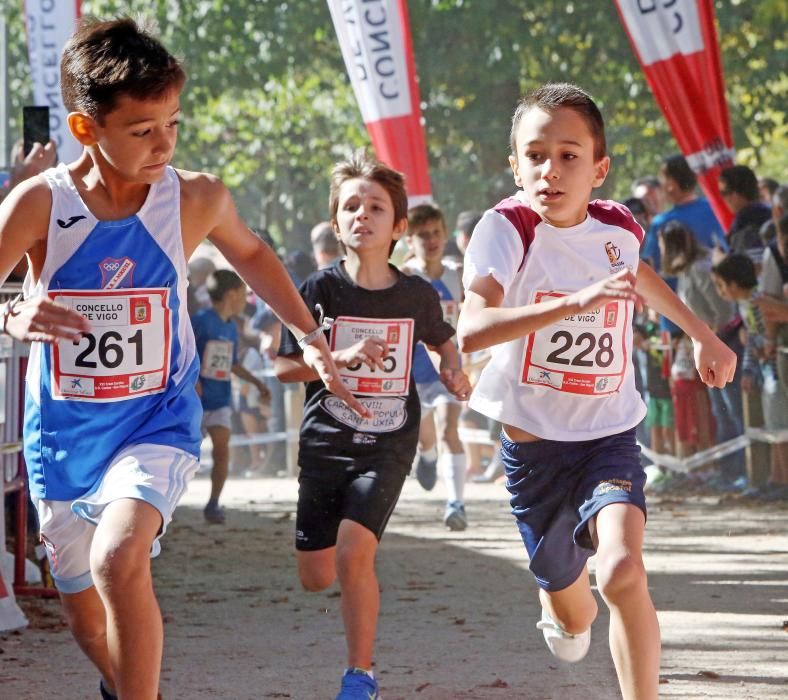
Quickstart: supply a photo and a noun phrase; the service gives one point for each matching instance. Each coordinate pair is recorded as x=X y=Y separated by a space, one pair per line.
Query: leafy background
x=269 y=108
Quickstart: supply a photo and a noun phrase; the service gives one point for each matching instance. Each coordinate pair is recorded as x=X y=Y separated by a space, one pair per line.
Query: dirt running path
x=458 y=610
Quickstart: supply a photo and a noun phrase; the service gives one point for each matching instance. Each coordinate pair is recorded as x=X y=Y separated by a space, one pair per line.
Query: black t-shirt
x=331 y=434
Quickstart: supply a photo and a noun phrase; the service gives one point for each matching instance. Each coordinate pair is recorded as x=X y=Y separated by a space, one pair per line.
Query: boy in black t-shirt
x=353 y=467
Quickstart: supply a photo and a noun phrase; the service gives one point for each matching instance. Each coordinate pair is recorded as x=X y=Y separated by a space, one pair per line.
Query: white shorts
x=218 y=418
x=156 y=474
x=432 y=395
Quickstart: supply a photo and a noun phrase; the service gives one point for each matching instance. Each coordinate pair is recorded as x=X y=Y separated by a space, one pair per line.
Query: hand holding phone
x=35 y=126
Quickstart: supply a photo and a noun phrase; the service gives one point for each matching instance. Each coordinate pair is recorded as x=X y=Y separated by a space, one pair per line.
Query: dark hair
x=467 y=220
x=737 y=268
x=364 y=167
x=220 y=282
x=677 y=169
x=741 y=180
x=646 y=181
x=635 y=205
x=422 y=213
x=106 y=59
x=769 y=183
x=551 y=97
x=681 y=248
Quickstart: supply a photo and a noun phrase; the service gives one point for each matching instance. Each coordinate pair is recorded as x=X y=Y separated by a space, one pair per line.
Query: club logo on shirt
x=614 y=256
x=116 y=272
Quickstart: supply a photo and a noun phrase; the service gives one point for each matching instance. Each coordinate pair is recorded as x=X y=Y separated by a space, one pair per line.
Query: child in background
x=736 y=280
x=550 y=285
x=216 y=337
x=352 y=468
x=691 y=405
x=426 y=238
x=659 y=416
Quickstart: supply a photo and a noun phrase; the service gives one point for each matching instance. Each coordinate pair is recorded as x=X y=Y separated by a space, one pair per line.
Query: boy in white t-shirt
x=551 y=282
x=440 y=410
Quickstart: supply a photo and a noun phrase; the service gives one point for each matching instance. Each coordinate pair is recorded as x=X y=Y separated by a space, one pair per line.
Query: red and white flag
x=378 y=51
x=676 y=44
x=49 y=25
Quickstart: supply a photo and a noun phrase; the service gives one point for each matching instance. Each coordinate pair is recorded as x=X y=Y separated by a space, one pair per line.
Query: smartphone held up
x=35 y=126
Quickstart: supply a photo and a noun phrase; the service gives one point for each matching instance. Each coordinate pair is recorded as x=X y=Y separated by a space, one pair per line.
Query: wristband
x=325 y=324
x=8 y=311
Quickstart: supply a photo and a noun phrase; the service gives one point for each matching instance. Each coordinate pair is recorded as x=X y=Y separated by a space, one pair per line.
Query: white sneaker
x=567 y=647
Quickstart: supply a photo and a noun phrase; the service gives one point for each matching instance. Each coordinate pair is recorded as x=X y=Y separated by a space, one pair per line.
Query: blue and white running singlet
x=131 y=380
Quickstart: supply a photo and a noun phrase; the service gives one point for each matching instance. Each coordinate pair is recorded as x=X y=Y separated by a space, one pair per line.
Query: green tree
x=269 y=108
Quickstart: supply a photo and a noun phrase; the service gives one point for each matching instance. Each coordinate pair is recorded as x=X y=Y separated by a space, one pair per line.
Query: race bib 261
x=125 y=355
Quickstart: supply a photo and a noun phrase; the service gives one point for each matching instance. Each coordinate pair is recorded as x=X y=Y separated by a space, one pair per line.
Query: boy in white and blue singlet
x=427 y=237
x=551 y=282
x=112 y=417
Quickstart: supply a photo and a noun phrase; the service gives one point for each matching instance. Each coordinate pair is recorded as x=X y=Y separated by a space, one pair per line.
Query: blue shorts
x=557 y=487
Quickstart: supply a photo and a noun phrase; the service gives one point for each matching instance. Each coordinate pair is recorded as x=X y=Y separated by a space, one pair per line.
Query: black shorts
x=330 y=495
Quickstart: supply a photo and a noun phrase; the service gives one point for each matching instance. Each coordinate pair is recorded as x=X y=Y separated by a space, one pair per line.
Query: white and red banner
x=676 y=44
x=374 y=36
x=49 y=24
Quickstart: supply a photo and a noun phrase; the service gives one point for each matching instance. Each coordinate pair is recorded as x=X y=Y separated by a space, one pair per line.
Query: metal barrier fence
x=13 y=364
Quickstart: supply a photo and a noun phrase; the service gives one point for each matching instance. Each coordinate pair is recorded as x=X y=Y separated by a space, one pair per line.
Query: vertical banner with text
x=377 y=48
x=49 y=24
x=676 y=44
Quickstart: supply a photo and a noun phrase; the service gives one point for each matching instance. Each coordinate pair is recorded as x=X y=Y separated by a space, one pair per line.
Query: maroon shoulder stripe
x=615 y=214
x=523 y=218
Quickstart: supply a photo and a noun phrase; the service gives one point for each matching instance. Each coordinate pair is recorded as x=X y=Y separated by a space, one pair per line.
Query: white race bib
x=217 y=360
x=127 y=352
x=581 y=354
x=397 y=333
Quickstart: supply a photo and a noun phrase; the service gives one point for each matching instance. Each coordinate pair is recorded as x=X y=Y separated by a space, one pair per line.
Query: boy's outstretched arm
x=451 y=374
x=242 y=373
x=715 y=361
x=484 y=322
x=258 y=265
x=370 y=351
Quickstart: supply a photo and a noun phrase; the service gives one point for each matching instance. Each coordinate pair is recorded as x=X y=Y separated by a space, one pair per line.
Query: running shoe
x=214 y=513
x=565 y=646
x=106 y=695
x=357 y=684
x=427 y=472
x=454 y=518
x=494 y=471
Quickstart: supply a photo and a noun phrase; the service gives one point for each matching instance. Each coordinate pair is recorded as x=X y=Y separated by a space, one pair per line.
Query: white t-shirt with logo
x=571 y=380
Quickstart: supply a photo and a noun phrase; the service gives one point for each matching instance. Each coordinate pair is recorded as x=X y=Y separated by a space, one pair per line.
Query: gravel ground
x=458 y=609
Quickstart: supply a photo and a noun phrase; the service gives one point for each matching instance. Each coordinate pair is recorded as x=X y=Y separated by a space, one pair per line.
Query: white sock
x=430 y=455
x=452 y=471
